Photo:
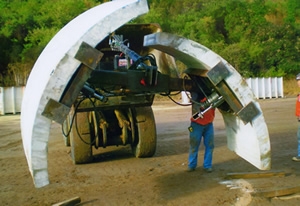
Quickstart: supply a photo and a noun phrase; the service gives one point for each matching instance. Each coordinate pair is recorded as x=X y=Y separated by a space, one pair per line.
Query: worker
x=297 y=159
x=201 y=127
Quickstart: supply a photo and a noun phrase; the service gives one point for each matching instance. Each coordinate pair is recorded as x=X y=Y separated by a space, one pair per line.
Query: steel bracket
x=218 y=73
x=88 y=55
x=56 y=111
x=248 y=113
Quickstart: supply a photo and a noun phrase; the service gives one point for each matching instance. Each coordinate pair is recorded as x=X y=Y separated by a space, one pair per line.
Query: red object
x=207 y=118
x=298 y=106
x=143 y=82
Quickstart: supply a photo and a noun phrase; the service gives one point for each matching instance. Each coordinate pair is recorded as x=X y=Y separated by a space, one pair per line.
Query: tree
x=25 y=29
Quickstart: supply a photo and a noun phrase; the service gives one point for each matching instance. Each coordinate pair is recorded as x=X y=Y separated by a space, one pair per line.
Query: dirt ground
x=116 y=177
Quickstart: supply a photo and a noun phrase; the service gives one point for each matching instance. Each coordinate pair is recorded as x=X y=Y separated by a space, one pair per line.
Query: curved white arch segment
x=251 y=140
x=54 y=68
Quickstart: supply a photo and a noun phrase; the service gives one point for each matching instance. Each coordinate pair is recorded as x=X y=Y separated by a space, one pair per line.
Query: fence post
x=263 y=88
x=276 y=87
x=255 y=89
x=13 y=99
x=270 y=87
x=2 y=101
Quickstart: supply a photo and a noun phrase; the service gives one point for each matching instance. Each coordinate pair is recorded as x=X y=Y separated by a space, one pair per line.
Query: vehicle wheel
x=144 y=144
x=81 y=147
x=66 y=130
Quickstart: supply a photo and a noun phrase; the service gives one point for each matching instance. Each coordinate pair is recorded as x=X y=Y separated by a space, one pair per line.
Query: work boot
x=190 y=169
x=208 y=170
x=296 y=159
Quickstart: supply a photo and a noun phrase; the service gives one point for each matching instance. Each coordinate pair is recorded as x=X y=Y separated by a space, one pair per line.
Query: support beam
x=277 y=192
x=249 y=175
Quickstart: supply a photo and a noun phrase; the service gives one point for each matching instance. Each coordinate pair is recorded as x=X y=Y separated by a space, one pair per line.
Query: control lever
x=212 y=104
x=90 y=92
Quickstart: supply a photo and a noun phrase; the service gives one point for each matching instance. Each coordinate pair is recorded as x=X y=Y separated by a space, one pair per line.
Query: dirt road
x=116 y=177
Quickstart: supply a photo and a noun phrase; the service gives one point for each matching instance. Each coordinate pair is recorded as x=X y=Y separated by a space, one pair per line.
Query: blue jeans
x=298 y=134
x=199 y=131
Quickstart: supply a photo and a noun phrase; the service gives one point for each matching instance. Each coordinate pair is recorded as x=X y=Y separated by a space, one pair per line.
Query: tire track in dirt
x=10 y=134
x=12 y=144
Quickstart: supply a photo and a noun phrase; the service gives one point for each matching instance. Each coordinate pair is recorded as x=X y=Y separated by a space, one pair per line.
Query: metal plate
x=248 y=113
x=88 y=55
x=56 y=111
x=218 y=73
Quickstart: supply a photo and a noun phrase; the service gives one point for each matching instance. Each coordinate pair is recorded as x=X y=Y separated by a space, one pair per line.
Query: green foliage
x=258 y=37
x=26 y=26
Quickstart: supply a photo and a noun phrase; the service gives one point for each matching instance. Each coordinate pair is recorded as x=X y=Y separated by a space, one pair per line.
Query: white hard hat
x=298 y=77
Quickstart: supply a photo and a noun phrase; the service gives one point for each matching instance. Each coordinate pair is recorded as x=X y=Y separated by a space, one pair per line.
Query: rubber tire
x=80 y=151
x=145 y=145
